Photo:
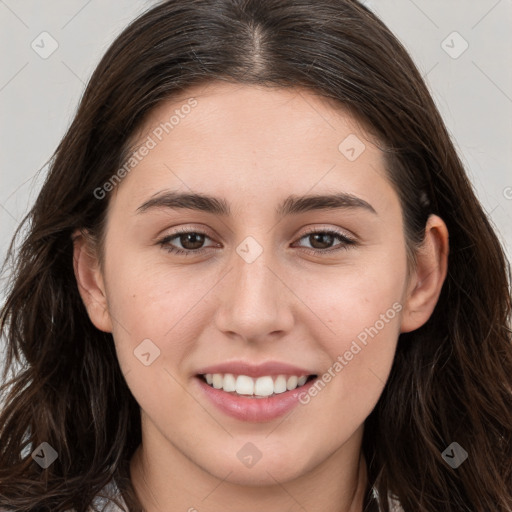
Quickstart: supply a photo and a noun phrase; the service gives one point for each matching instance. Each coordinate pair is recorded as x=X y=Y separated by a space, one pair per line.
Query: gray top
x=108 y=506
x=105 y=505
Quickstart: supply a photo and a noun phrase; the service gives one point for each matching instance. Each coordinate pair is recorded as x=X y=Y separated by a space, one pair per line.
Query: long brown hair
x=451 y=380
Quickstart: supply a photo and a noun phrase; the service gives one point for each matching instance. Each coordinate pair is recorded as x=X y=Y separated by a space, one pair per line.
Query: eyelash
x=346 y=242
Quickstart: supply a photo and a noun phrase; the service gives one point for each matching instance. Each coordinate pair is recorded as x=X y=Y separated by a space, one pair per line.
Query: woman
x=257 y=276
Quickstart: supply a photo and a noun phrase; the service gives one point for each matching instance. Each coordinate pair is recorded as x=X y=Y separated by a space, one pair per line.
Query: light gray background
x=38 y=96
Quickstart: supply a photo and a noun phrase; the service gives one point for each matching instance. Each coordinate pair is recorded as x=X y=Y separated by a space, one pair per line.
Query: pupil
x=188 y=238
x=320 y=236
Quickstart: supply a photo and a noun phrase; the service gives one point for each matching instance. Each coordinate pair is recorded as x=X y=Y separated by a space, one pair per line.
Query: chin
x=266 y=471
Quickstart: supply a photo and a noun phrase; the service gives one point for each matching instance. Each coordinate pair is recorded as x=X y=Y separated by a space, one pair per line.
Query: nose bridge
x=256 y=303
x=254 y=280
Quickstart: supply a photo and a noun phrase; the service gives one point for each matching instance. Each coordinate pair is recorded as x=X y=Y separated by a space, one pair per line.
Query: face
x=259 y=283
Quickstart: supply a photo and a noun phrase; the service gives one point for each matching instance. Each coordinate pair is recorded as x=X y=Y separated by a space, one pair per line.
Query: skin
x=254 y=146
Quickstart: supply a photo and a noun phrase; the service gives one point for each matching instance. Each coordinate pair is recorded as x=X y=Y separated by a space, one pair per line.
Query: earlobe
x=427 y=280
x=90 y=282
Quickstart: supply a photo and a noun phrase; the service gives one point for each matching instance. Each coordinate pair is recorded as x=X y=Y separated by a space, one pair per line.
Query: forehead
x=241 y=108
x=252 y=141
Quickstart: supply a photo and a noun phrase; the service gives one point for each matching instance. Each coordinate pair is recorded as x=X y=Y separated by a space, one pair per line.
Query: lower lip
x=256 y=410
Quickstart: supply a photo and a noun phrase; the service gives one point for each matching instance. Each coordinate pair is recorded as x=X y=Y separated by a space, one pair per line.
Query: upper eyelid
x=336 y=231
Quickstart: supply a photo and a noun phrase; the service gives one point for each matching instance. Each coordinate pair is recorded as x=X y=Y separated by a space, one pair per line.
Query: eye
x=190 y=241
x=321 y=240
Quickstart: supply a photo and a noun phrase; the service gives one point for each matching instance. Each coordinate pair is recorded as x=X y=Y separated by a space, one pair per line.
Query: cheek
x=359 y=357
x=351 y=299
x=148 y=302
x=361 y=307
x=155 y=330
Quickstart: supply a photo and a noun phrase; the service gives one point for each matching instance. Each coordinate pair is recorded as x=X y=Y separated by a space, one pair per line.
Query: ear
x=90 y=281
x=427 y=279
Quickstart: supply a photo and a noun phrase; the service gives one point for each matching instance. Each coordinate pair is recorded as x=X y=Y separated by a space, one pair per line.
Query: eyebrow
x=292 y=205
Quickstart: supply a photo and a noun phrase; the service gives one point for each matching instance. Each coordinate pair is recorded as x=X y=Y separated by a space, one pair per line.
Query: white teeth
x=259 y=388
x=264 y=386
x=244 y=385
x=217 y=380
x=229 y=383
x=302 y=380
x=280 y=384
x=292 y=382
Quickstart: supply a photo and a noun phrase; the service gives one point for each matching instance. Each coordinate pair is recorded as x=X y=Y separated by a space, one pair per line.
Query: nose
x=255 y=302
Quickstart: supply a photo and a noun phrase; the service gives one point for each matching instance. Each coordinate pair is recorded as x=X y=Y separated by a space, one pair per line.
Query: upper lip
x=255 y=370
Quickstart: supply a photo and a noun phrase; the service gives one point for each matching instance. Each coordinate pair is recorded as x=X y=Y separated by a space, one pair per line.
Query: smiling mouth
x=261 y=387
